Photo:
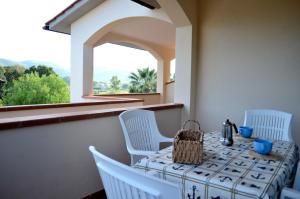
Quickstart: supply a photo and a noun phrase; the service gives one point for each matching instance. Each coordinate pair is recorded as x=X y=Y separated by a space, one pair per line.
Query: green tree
x=2 y=81
x=7 y=75
x=13 y=73
x=33 y=89
x=2 y=76
x=40 y=70
x=144 y=81
x=115 y=84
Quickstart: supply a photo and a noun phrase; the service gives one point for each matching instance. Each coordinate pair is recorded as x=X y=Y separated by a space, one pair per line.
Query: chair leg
x=132 y=160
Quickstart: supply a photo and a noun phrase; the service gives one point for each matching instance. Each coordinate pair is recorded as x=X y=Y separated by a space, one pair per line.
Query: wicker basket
x=188 y=145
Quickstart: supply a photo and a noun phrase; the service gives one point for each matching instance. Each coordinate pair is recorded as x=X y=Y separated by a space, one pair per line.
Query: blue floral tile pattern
x=227 y=172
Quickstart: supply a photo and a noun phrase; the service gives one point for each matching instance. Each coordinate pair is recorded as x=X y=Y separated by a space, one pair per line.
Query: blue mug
x=245 y=131
x=262 y=146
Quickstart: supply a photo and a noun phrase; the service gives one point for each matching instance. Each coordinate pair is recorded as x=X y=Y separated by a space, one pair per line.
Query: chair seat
x=121 y=181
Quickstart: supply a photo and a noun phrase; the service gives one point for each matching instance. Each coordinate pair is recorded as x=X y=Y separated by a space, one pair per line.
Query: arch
x=117 y=38
x=101 y=32
x=163 y=55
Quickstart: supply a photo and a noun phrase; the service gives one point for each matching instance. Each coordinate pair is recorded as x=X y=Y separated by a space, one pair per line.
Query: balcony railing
x=46 y=156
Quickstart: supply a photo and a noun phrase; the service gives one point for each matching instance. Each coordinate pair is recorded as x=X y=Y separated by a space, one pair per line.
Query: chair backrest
x=140 y=130
x=269 y=124
x=123 y=182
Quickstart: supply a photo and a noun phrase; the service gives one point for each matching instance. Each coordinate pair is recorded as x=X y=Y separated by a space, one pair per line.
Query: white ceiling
x=148 y=29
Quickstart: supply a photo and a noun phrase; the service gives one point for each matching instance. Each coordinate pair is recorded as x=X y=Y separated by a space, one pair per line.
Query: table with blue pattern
x=228 y=172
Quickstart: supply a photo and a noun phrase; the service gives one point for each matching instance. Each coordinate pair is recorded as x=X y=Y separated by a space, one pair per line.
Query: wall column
x=81 y=70
x=183 y=92
x=160 y=79
x=185 y=65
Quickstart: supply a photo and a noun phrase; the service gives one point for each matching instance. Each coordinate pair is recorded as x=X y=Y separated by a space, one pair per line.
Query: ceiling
x=148 y=29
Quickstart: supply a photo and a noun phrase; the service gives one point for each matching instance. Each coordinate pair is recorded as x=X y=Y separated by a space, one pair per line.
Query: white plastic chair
x=123 y=182
x=269 y=124
x=141 y=133
x=293 y=193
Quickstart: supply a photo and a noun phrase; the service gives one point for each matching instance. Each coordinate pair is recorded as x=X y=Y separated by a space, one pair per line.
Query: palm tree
x=144 y=81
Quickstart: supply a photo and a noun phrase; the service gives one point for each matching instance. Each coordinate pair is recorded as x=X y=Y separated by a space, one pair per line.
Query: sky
x=21 y=34
x=22 y=38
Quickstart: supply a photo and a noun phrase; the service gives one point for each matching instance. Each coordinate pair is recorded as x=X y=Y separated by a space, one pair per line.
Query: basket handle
x=191 y=121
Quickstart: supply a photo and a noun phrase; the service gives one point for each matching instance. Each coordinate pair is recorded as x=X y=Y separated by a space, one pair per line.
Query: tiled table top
x=228 y=172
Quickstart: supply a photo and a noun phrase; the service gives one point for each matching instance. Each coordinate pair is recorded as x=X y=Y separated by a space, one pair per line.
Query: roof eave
x=61 y=23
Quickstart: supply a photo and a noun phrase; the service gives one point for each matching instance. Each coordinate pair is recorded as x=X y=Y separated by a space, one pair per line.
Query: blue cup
x=263 y=147
x=245 y=131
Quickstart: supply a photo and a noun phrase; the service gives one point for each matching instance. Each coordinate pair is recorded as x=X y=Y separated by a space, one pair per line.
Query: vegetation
x=7 y=75
x=40 y=70
x=115 y=84
x=35 y=85
x=144 y=81
x=33 y=89
x=41 y=85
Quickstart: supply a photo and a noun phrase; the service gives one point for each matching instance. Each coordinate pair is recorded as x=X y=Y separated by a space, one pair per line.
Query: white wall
x=53 y=161
x=170 y=92
x=249 y=57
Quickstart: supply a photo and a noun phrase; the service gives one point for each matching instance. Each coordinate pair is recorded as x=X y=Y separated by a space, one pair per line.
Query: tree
x=115 y=84
x=7 y=75
x=2 y=81
x=40 y=70
x=144 y=81
x=33 y=89
x=13 y=73
x=2 y=76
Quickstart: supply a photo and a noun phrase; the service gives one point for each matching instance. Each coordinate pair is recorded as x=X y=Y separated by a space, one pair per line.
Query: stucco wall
x=53 y=161
x=249 y=57
x=170 y=92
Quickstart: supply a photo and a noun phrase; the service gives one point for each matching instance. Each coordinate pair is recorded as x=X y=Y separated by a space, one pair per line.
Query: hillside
x=28 y=63
x=101 y=73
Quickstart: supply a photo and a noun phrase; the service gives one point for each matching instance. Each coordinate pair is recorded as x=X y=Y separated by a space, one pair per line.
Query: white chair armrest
x=290 y=193
x=166 y=139
x=142 y=153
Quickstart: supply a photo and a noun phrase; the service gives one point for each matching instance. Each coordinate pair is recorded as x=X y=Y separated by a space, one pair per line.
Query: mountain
x=28 y=63
x=101 y=73
x=104 y=74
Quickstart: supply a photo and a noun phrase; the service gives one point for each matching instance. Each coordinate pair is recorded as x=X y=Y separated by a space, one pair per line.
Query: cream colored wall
x=12 y=114
x=53 y=161
x=249 y=57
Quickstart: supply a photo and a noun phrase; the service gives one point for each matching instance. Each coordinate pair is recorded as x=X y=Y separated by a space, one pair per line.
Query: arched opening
x=143 y=33
x=121 y=69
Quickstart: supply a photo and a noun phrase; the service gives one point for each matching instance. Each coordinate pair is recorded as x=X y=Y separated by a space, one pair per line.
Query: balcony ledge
x=64 y=105
x=28 y=121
